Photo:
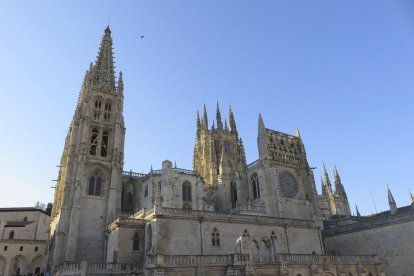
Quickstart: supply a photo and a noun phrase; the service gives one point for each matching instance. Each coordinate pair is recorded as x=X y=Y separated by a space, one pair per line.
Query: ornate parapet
x=84 y=268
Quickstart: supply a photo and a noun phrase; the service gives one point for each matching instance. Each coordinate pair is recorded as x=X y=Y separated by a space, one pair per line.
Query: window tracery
x=11 y=235
x=254 y=180
x=135 y=242
x=215 y=238
x=288 y=185
x=146 y=191
x=98 y=110
x=94 y=141
x=107 y=112
x=104 y=143
x=233 y=190
x=99 y=142
x=186 y=192
x=95 y=185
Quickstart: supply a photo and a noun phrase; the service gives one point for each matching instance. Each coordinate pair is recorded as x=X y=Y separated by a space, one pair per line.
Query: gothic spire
x=103 y=70
x=225 y=124
x=391 y=201
x=411 y=197
x=232 y=121
x=327 y=181
x=324 y=192
x=339 y=188
x=218 y=117
x=205 y=119
x=198 y=123
x=213 y=126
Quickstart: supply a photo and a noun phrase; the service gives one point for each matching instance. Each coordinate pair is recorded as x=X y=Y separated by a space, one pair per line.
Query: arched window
x=254 y=180
x=186 y=191
x=94 y=141
x=233 y=191
x=215 y=238
x=25 y=219
x=98 y=110
x=107 y=112
x=95 y=185
x=135 y=242
x=11 y=235
x=146 y=191
x=104 y=143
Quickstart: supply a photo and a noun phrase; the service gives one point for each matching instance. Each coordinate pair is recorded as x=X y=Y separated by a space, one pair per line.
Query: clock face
x=288 y=185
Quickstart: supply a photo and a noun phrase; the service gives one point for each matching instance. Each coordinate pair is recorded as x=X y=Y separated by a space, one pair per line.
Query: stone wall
x=391 y=238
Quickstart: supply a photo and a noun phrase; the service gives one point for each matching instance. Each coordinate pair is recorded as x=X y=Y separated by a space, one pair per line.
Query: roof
x=23 y=209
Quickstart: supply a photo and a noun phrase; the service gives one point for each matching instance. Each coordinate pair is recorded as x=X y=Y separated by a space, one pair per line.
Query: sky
x=340 y=71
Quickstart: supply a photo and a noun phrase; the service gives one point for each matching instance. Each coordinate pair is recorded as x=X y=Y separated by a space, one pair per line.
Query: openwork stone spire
x=232 y=121
x=103 y=71
x=218 y=117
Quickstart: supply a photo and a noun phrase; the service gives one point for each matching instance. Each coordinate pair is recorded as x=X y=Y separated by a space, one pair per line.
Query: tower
x=88 y=190
x=220 y=159
x=286 y=182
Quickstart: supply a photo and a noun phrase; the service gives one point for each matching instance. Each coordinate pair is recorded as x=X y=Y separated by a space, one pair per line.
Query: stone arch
x=3 y=262
x=102 y=172
x=98 y=104
x=148 y=240
x=36 y=264
x=265 y=250
x=18 y=265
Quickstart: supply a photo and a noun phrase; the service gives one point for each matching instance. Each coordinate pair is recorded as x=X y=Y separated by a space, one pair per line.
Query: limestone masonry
x=222 y=217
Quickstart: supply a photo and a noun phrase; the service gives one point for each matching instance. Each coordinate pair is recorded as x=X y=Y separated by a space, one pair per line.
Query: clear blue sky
x=340 y=71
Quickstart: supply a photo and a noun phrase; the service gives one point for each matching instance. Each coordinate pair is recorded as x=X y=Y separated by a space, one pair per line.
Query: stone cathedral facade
x=222 y=217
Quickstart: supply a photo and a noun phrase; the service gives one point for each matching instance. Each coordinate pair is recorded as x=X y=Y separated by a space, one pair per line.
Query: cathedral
x=222 y=217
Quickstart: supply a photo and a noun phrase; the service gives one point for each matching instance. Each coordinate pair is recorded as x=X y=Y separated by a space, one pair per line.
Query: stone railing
x=368 y=222
x=335 y=259
x=189 y=260
x=246 y=218
x=84 y=268
x=248 y=208
x=184 y=171
x=133 y=174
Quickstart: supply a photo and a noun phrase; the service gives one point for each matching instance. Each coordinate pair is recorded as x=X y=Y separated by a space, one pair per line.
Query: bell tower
x=220 y=159
x=88 y=191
